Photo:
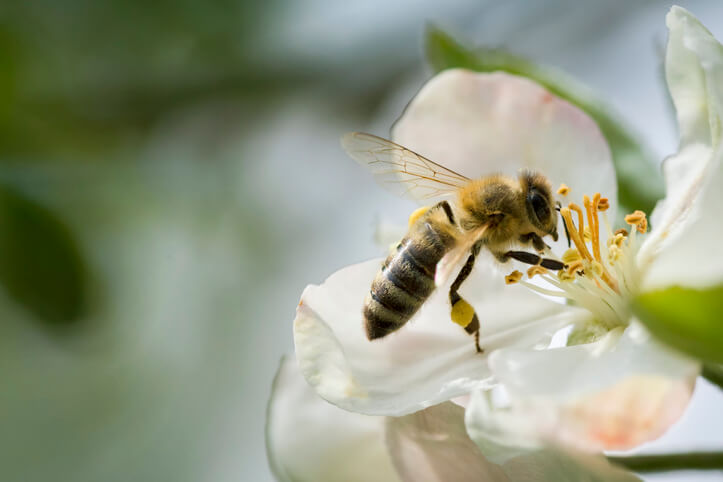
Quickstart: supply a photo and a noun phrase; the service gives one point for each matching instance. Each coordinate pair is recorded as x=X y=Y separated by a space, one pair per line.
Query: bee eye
x=540 y=207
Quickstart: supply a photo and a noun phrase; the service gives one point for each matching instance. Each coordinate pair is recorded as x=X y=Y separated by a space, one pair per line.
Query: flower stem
x=666 y=462
x=713 y=373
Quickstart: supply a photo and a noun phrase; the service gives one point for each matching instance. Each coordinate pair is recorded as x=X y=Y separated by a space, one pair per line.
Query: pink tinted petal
x=430 y=359
x=432 y=446
x=611 y=394
x=478 y=124
x=309 y=439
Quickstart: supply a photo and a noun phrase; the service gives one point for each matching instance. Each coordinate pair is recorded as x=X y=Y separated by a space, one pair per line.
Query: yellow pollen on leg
x=638 y=220
x=418 y=213
x=536 y=270
x=462 y=313
x=563 y=190
x=513 y=277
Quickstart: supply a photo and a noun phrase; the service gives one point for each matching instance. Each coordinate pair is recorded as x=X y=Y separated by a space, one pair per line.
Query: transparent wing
x=451 y=261
x=400 y=170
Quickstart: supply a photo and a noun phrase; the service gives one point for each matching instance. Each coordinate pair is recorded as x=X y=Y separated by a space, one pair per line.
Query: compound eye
x=539 y=206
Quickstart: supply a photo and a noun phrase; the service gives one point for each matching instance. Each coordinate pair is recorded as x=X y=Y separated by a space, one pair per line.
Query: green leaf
x=687 y=319
x=40 y=263
x=640 y=183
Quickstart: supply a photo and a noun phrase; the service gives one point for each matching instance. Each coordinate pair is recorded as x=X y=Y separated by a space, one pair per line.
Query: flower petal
x=427 y=361
x=432 y=445
x=611 y=394
x=479 y=124
x=686 y=250
x=694 y=69
x=309 y=439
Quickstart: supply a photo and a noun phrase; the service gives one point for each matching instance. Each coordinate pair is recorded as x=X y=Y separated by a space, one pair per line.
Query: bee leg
x=535 y=240
x=533 y=259
x=462 y=312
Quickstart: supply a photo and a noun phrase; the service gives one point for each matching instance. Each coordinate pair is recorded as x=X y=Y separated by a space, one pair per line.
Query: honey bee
x=495 y=212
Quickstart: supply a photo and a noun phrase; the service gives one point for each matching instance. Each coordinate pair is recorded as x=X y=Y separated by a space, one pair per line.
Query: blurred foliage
x=40 y=264
x=640 y=183
x=79 y=78
x=686 y=319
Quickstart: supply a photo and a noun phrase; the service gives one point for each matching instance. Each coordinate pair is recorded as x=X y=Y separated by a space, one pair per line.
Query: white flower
x=612 y=387
x=309 y=439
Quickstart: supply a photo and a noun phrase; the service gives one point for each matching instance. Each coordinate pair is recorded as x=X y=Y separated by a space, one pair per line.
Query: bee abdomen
x=400 y=288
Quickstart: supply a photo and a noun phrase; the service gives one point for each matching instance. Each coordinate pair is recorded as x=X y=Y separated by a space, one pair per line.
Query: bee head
x=539 y=203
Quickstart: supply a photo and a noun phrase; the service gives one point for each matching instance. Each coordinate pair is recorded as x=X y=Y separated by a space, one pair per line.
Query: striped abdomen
x=405 y=281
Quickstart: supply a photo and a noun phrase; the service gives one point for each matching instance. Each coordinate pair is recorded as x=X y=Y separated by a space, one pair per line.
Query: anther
x=570 y=256
x=563 y=190
x=536 y=270
x=513 y=277
x=638 y=220
x=622 y=231
x=603 y=205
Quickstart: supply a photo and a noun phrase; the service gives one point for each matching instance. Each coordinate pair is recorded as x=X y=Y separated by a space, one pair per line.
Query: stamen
x=603 y=204
x=580 y=219
x=638 y=220
x=577 y=236
x=536 y=270
x=622 y=231
x=513 y=277
x=570 y=256
x=563 y=190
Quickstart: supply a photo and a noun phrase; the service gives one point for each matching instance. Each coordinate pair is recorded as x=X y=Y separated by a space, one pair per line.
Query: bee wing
x=400 y=170
x=450 y=261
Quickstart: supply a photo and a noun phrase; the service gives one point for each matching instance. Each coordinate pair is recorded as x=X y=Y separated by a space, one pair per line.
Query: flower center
x=599 y=276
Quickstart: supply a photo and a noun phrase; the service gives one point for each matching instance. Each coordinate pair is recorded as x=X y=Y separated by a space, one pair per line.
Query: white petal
x=694 y=68
x=612 y=394
x=309 y=439
x=684 y=250
x=694 y=71
x=478 y=124
x=432 y=445
x=430 y=359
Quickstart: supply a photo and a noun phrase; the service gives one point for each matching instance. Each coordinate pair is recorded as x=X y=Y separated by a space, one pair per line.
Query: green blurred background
x=171 y=179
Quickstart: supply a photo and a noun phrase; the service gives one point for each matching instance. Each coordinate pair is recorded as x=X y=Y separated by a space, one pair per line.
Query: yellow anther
x=462 y=313
x=622 y=231
x=563 y=190
x=597 y=268
x=418 y=213
x=513 y=277
x=614 y=252
x=617 y=240
x=536 y=270
x=563 y=275
x=638 y=220
x=575 y=267
x=603 y=205
x=570 y=256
